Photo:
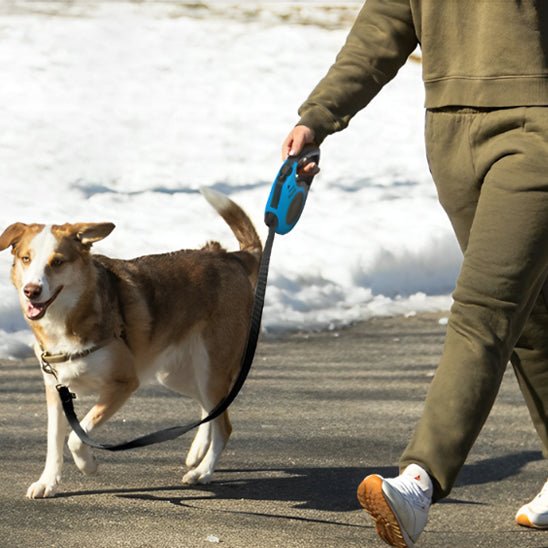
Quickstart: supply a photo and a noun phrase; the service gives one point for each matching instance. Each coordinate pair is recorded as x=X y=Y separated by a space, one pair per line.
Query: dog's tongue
x=34 y=310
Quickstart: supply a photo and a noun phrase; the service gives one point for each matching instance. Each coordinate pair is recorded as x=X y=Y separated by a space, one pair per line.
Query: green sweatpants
x=491 y=172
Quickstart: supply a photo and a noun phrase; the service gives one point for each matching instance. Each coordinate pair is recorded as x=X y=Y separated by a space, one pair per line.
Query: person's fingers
x=296 y=140
x=302 y=136
x=287 y=145
x=310 y=169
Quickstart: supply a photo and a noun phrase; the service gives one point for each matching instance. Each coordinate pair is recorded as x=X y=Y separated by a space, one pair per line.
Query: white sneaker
x=535 y=514
x=399 y=506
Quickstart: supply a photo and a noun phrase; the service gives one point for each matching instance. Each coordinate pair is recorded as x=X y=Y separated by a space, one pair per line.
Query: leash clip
x=46 y=366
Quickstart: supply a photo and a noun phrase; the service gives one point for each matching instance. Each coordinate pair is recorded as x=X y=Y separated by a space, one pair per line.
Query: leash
x=284 y=207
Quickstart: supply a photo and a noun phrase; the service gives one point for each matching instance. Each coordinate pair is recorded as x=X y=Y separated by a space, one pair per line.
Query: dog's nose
x=32 y=291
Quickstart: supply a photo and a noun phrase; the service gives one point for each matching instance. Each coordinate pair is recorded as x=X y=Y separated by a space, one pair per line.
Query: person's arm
x=380 y=41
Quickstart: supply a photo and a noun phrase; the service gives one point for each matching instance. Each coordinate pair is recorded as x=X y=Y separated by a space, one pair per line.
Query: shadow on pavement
x=320 y=489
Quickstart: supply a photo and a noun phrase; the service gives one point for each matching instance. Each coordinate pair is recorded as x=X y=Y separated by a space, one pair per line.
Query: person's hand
x=298 y=137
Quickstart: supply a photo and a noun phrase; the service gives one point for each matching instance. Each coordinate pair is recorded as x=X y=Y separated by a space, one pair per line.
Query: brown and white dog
x=182 y=317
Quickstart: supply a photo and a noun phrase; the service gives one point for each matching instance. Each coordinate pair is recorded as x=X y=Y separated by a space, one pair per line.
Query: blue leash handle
x=289 y=191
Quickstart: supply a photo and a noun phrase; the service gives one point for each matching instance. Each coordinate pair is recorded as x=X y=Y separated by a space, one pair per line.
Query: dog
x=181 y=317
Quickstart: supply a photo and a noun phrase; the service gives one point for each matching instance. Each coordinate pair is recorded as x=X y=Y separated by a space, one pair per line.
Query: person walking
x=485 y=74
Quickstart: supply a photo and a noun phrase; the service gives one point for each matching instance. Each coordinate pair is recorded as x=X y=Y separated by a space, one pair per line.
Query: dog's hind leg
x=57 y=431
x=203 y=440
x=193 y=374
x=211 y=448
x=211 y=437
x=200 y=444
x=111 y=398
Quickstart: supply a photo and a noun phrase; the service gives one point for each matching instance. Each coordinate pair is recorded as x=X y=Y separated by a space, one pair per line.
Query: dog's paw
x=41 y=490
x=83 y=455
x=196 y=476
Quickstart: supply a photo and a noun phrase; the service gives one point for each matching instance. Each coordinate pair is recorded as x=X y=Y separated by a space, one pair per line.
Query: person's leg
x=459 y=193
x=504 y=268
x=502 y=157
x=400 y=519
x=530 y=363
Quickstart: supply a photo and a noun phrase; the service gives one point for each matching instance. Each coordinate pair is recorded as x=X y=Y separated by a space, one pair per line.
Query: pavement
x=318 y=413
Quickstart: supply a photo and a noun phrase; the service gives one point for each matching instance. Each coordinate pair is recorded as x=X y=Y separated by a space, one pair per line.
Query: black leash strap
x=176 y=431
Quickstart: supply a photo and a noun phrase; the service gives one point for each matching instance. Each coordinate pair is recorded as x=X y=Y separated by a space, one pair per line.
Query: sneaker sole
x=524 y=521
x=373 y=501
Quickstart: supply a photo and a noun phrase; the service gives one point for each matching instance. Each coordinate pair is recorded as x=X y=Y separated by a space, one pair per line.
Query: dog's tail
x=237 y=220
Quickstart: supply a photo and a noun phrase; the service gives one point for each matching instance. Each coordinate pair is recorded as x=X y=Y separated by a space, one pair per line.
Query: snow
x=120 y=111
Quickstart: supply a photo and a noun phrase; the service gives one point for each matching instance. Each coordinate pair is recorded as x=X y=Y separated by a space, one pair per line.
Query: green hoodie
x=479 y=53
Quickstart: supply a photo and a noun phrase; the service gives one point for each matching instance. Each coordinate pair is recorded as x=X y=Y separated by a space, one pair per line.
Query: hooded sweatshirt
x=476 y=53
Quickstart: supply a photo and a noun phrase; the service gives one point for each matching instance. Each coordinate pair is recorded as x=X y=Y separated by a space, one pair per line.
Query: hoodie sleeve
x=380 y=41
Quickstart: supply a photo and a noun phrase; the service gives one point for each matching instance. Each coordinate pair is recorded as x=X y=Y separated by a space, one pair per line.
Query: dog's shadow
x=319 y=489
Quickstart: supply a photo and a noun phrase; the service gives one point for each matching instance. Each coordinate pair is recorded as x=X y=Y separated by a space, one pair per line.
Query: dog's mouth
x=35 y=310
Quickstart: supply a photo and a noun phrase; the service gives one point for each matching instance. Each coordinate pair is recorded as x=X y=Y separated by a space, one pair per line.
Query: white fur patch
x=42 y=246
x=184 y=367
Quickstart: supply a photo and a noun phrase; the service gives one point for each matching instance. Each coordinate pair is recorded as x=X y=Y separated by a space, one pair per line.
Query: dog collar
x=47 y=359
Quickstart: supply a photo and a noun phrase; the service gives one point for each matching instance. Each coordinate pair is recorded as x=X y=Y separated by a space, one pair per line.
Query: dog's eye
x=57 y=262
x=25 y=259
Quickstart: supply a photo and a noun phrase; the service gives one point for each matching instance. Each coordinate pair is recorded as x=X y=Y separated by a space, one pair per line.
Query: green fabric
x=483 y=53
x=491 y=174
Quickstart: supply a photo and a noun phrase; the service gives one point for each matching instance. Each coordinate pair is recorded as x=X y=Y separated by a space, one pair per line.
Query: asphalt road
x=317 y=414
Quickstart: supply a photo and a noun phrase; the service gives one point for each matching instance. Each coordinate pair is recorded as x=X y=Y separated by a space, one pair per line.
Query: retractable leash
x=283 y=209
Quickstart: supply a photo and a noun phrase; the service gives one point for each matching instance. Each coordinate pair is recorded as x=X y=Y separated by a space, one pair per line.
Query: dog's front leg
x=111 y=398
x=57 y=431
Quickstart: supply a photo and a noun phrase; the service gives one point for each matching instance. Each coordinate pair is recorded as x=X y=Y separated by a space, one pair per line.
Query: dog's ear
x=12 y=235
x=89 y=233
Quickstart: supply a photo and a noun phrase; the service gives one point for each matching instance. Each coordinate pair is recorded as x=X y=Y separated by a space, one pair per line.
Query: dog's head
x=49 y=263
